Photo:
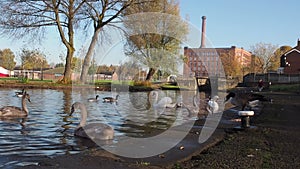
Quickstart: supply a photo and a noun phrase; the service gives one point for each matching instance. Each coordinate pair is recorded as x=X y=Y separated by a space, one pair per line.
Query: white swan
x=93 y=99
x=110 y=99
x=165 y=102
x=12 y=111
x=98 y=131
x=212 y=105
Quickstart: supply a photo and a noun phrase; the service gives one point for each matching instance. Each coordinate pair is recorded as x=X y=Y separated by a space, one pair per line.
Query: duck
x=165 y=102
x=212 y=105
x=20 y=94
x=110 y=99
x=242 y=100
x=93 y=99
x=12 y=111
x=97 y=131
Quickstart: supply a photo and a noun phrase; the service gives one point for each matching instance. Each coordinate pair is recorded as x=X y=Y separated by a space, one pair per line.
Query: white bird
x=12 y=111
x=20 y=94
x=110 y=99
x=98 y=131
x=93 y=99
x=165 y=102
x=212 y=105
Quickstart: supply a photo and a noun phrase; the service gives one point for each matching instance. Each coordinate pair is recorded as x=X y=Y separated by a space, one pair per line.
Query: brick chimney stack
x=203 y=32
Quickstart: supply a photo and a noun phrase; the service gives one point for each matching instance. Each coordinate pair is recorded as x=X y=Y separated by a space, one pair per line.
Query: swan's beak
x=29 y=100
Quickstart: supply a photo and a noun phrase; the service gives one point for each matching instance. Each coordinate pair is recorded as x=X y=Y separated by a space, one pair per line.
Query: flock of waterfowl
x=105 y=132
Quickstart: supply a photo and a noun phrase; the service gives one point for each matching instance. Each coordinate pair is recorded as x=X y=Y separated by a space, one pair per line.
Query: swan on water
x=165 y=102
x=12 y=111
x=98 y=131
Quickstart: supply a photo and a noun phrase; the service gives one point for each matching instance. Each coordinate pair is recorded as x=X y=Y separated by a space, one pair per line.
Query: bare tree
x=100 y=13
x=265 y=51
x=31 y=18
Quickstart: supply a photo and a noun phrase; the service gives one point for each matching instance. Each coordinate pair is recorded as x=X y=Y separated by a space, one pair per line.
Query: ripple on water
x=48 y=129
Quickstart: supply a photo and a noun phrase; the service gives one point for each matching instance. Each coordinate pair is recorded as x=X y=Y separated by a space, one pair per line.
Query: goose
x=20 y=94
x=110 y=99
x=165 y=102
x=212 y=105
x=93 y=99
x=98 y=131
x=244 y=99
x=12 y=111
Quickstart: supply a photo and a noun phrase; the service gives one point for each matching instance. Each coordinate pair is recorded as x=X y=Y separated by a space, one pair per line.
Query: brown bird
x=98 y=131
x=12 y=111
x=244 y=99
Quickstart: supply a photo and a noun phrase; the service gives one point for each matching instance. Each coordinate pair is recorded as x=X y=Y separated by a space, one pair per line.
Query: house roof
x=292 y=50
x=58 y=70
x=105 y=73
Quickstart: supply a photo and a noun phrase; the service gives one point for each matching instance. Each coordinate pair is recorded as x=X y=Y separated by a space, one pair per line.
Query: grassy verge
x=285 y=88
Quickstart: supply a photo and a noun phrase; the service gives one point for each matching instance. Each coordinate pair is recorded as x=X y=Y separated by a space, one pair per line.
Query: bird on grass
x=212 y=105
x=242 y=100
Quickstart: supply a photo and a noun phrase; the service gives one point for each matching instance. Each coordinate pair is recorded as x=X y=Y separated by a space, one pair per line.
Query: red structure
x=204 y=62
x=4 y=72
x=290 y=61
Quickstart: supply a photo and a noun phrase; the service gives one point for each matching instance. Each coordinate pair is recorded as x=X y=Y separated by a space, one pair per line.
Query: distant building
x=290 y=61
x=206 y=61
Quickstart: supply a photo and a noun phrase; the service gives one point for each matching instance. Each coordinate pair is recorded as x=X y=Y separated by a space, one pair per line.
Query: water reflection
x=48 y=129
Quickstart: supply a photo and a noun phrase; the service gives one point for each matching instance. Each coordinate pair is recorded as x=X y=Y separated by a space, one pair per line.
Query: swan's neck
x=195 y=101
x=83 y=116
x=24 y=107
x=156 y=98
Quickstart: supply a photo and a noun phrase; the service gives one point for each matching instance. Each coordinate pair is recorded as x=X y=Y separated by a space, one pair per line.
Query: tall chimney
x=203 y=32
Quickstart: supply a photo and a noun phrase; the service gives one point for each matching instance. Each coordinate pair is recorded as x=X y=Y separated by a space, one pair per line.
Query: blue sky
x=234 y=22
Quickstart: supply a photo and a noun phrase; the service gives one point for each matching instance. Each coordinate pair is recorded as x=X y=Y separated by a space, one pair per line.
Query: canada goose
x=20 y=94
x=98 y=131
x=110 y=99
x=212 y=105
x=244 y=99
x=12 y=111
x=93 y=99
x=165 y=102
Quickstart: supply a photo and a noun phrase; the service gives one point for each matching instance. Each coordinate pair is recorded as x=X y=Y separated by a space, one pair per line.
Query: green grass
x=285 y=87
x=9 y=78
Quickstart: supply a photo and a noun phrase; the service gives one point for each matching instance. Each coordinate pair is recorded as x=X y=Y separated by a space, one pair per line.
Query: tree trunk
x=150 y=74
x=68 y=71
x=87 y=58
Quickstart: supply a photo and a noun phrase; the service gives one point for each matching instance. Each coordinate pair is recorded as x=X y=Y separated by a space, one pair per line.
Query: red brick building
x=206 y=61
x=290 y=61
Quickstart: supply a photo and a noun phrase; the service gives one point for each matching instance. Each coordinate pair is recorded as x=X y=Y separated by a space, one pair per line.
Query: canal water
x=48 y=129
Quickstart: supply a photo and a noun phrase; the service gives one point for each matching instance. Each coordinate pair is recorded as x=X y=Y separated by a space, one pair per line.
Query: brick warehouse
x=204 y=62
